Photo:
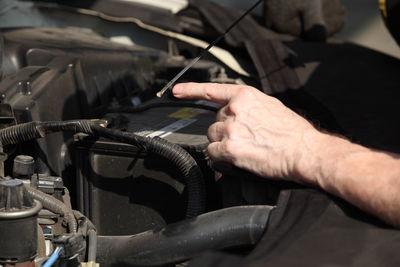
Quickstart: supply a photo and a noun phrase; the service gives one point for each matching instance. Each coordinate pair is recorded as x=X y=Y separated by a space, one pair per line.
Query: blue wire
x=53 y=258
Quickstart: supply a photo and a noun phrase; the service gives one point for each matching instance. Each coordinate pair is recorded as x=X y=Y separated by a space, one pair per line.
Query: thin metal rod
x=202 y=53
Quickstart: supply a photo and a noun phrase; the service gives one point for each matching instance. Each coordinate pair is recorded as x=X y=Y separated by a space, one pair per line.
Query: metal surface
x=18 y=223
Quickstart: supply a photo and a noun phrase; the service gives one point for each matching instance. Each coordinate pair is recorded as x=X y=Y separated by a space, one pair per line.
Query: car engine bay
x=137 y=183
x=95 y=169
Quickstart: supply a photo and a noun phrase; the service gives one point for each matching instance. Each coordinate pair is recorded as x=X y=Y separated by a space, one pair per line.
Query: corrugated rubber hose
x=175 y=154
x=56 y=206
x=33 y=130
x=185 y=163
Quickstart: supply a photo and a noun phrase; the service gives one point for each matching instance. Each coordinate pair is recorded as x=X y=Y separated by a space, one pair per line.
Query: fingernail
x=178 y=89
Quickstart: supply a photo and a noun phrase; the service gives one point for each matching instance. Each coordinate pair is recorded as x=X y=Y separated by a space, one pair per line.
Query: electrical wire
x=53 y=258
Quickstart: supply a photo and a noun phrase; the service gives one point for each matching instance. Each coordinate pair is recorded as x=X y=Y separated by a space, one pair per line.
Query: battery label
x=176 y=126
x=184 y=113
x=188 y=113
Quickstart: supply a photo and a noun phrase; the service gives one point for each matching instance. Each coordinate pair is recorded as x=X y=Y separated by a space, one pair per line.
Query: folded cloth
x=312 y=20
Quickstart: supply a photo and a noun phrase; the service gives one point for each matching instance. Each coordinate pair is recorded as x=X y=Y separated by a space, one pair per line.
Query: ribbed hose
x=176 y=155
x=32 y=130
x=120 y=136
x=56 y=206
x=83 y=126
x=20 y=133
x=189 y=169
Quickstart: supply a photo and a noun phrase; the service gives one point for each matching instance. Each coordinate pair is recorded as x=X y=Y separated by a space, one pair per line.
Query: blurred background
x=364 y=25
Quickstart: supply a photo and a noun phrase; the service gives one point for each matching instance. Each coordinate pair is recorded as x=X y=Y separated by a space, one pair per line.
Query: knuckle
x=210 y=91
x=275 y=101
x=211 y=152
x=230 y=128
x=245 y=90
x=234 y=108
x=230 y=148
x=221 y=114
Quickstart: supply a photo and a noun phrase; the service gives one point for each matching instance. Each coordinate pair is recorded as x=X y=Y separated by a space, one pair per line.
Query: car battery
x=126 y=191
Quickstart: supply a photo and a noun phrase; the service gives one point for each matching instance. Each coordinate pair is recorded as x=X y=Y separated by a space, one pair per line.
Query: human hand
x=313 y=20
x=256 y=132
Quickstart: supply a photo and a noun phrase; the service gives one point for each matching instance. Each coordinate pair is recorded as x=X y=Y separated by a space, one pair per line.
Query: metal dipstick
x=171 y=82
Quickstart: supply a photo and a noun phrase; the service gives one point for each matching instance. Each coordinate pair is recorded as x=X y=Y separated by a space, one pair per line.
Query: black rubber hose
x=32 y=130
x=56 y=206
x=120 y=136
x=191 y=172
x=227 y=228
x=185 y=163
x=20 y=133
x=83 y=126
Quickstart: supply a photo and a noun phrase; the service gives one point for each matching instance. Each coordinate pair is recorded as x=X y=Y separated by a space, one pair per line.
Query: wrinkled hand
x=256 y=132
x=313 y=20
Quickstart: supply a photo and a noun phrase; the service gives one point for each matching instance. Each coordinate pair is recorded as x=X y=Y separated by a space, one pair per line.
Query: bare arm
x=367 y=178
x=258 y=133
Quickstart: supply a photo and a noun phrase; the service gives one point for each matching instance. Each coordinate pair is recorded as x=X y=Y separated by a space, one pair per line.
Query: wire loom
x=185 y=163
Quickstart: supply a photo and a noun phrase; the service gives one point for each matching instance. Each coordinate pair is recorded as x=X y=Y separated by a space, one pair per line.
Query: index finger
x=218 y=93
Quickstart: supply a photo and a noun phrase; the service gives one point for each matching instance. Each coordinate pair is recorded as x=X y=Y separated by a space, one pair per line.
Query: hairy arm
x=258 y=133
x=367 y=178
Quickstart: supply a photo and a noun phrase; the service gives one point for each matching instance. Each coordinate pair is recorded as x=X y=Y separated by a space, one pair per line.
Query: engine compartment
x=60 y=82
x=96 y=170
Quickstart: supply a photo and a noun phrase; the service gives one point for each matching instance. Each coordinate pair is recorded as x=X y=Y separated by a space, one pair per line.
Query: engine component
x=18 y=223
x=71 y=244
x=227 y=228
x=173 y=153
x=24 y=167
x=147 y=176
x=135 y=172
x=33 y=130
x=51 y=185
x=56 y=206
x=7 y=117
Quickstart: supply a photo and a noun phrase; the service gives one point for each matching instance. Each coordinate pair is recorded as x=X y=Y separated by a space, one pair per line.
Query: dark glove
x=312 y=20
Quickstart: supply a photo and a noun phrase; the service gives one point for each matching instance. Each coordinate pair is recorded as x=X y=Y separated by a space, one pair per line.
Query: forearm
x=366 y=178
